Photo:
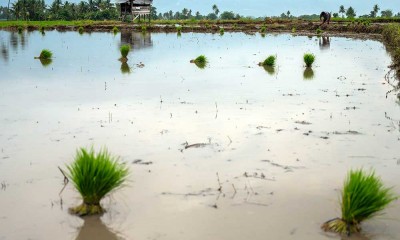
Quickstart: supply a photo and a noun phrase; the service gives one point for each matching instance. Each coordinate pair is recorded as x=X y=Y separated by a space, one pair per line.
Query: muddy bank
x=230 y=26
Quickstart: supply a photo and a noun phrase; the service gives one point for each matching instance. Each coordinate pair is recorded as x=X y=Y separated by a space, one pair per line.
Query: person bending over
x=325 y=17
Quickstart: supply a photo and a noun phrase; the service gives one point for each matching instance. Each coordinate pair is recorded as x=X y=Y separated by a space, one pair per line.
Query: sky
x=261 y=8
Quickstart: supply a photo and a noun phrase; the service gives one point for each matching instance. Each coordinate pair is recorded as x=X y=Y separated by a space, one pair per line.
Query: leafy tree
x=153 y=13
x=387 y=13
x=350 y=13
x=288 y=14
x=335 y=15
x=375 y=10
x=215 y=9
x=212 y=16
x=227 y=15
x=342 y=10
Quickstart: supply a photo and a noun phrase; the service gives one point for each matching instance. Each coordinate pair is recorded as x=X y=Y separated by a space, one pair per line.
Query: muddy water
x=281 y=140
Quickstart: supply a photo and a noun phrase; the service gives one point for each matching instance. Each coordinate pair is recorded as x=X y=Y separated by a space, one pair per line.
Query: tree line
x=105 y=10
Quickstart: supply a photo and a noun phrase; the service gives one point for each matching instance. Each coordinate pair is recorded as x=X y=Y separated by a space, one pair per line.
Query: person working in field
x=325 y=16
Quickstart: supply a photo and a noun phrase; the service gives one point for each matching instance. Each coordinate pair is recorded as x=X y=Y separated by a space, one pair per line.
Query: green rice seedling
x=200 y=61
x=124 y=52
x=115 y=30
x=95 y=175
x=45 y=54
x=319 y=31
x=308 y=73
x=221 y=31
x=80 y=30
x=20 y=29
x=263 y=29
x=293 y=30
x=363 y=196
x=309 y=59
x=179 y=29
x=269 y=61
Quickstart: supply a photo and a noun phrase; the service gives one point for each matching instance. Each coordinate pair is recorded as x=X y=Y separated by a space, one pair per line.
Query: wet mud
x=230 y=151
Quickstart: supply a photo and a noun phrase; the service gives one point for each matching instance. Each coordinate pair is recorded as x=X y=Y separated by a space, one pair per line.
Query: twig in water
x=219 y=183
x=66 y=180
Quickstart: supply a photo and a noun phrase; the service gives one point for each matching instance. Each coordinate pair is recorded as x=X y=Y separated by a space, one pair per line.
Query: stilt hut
x=135 y=8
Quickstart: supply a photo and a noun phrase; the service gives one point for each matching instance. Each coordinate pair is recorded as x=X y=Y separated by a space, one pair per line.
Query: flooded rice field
x=231 y=151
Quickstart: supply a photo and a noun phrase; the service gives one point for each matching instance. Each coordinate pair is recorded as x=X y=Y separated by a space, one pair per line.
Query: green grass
x=309 y=59
x=269 y=61
x=200 y=61
x=363 y=197
x=80 y=30
x=115 y=30
x=125 y=50
x=94 y=175
x=45 y=54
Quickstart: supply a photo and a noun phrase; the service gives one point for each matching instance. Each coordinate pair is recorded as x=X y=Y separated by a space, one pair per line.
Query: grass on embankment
x=391 y=37
x=50 y=24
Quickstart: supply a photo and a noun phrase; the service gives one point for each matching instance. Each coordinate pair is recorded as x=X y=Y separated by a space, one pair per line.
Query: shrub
x=309 y=59
x=363 y=197
x=94 y=176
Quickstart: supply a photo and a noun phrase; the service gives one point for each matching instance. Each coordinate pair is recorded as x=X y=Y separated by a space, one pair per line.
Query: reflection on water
x=308 y=73
x=94 y=228
x=4 y=52
x=125 y=68
x=324 y=43
x=269 y=69
x=136 y=40
x=45 y=62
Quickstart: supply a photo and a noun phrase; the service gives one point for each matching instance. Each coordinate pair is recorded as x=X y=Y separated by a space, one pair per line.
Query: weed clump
x=263 y=29
x=319 y=31
x=80 y=30
x=363 y=197
x=200 y=61
x=293 y=30
x=309 y=59
x=94 y=176
x=221 y=31
x=124 y=52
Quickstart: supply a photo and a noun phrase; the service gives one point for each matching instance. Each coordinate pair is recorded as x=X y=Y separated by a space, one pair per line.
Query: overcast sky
x=261 y=8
